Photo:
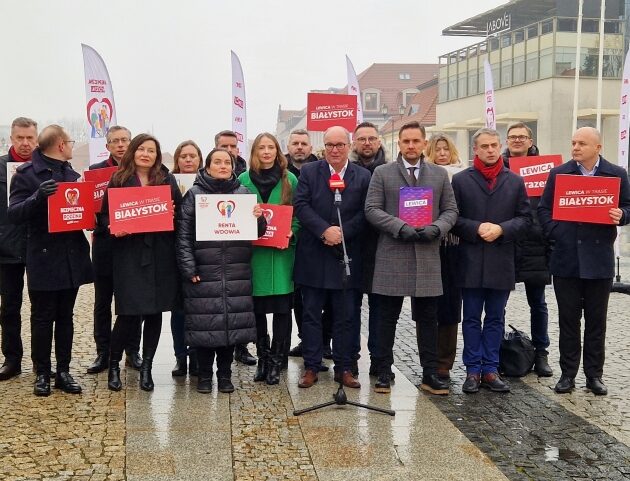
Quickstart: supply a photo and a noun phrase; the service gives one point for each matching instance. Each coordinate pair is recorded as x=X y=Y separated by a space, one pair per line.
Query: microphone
x=336 y=185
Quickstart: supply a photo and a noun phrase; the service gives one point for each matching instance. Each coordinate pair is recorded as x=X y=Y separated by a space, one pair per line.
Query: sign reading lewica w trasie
x=140 y=209
x=225 y=217
x=585 y=198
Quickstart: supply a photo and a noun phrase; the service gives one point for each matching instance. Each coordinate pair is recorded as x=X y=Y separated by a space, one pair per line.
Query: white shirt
x=417 y=167
x=343 y=171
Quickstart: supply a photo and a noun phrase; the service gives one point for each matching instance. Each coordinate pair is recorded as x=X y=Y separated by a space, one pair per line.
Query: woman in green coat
x=272 y=268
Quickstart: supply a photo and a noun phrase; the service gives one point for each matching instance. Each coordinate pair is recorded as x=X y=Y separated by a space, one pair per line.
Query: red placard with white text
x=585 y=198
x=534 y=170
x=71 y=207
x=140 y=209
x=328 y=110
x=278 y=219
x=101 y=178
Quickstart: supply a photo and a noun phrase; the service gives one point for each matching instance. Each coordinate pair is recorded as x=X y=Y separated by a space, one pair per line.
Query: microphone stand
x=340 y=398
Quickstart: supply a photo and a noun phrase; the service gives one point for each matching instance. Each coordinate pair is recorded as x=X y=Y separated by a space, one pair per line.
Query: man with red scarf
x=12 y=252
x=494 y=211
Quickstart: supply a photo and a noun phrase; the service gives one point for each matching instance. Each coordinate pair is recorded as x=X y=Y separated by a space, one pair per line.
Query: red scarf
x=17 y=157
x=489 y=172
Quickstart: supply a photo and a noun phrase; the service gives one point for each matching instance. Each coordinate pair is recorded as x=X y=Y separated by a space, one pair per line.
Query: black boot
x=262 y=348
x=193 y=363
x=181 y=367
x=99 y=364
x=242 y=355
x=146 y=380
x=113 y=376
x=275 y=362
x=133 y=360
x=541 y=364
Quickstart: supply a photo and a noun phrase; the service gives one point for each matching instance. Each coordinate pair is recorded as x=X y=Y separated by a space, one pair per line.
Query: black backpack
x=516 y=357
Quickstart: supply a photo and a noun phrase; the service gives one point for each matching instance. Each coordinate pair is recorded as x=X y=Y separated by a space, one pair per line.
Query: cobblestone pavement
x=533 y=433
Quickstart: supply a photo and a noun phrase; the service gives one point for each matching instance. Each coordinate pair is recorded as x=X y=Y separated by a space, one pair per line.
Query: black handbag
x=516 y=357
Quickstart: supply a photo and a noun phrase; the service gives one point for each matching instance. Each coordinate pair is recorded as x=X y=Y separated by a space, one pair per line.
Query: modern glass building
x=531 y=46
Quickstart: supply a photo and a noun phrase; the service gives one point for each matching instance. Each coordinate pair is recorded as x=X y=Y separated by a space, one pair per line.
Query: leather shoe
x=204 y=385
x=471 y=384
x=296 y=351
x=133 y=360
x=242 y=355
x=100 y=363
x=565 y=385
x=443 y=374
x=541 y=365
x=433 y=384
x=383 y=384
x=113 y=377
x=9 y=370
x=225 y=385
x=42 y=385
x=65 y=382
x=374 y=372
x=492 y=381
x=596 y=385
x=308 y=379
x=181 y=366
x=347 y=379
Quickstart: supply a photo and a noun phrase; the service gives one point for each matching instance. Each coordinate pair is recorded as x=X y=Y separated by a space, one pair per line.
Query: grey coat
x=407 y=268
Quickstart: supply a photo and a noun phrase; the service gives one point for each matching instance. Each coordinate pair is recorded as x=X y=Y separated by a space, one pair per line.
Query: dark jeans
x=342 y=315
x=126 y=326
x=373 y=324
x=424 y=313
x=11 y=289
x=576 y=296
x=52 y=309
x=539 y=315
x=298 y=312
x=103 y=295
x=482 y=344
x=205 y=358
x=177 y=330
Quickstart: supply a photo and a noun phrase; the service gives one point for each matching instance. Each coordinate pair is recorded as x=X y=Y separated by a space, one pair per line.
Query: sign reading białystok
x=584 y=198
x=225 y=217
x=328 y=110
x=140 y=209
x=501 y=23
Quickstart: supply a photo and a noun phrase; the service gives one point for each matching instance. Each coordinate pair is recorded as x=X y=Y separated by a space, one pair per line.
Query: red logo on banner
x=140 y=209
x=239 y=102
x=585 y=198
x=328 y=110
x=534 y=170
x=71 y=207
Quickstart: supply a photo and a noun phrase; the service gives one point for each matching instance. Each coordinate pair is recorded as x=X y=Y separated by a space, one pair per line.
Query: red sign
x=71 y=207
x=278 y=226
x=328 y=110
x=534 y=170
x=140 y=209
x=100 y=177
x=584 y=198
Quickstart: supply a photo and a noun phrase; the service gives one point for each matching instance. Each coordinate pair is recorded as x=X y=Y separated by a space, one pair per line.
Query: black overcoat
x=146 y=279
x=484 y=264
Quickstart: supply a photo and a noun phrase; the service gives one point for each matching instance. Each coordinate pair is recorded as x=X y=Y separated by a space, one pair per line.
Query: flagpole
x=578 y=51
x=600 y=65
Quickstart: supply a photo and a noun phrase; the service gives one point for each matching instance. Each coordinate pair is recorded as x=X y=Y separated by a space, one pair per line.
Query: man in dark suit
x=56 y=264
x=493 y=213
x=582 y=265
x=319 y=269
x=118 y=139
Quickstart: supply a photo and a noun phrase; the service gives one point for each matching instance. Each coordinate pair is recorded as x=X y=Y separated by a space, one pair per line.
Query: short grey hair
x=487 y=131
x=116 y=128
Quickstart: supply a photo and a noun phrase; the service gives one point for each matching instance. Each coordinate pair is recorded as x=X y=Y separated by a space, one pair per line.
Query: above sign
x=585 y=198
x=278 y=219
x=225 y=217
x=534 y=170
x=501 y=23
x=329 y=110
x=140 y=209
x=101 y=178
x=185 y=181
x=415 y=206
x=71 y=207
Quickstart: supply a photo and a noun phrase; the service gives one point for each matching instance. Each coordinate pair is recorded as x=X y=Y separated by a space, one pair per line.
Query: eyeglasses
x=331 y=147
x=124 y=140
x=520 y=138
x=71 y=142
x=363 y=140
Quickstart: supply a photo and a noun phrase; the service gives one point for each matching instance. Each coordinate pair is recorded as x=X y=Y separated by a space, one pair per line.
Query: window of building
x=612 y=26
x=590 y=26
x=567 y=25
x=404 y=76
x=546 y=62
x=613 y=63
x=408 y=95
x=462 y=82
x=506 y=73
x=496 y=75
x=531 y=66
x=493 y=44
x=506 y=40
x=519 y=36
x=443 y=90
x=518 y=76
x=452 y=87
x=532 y=31
x=370 y=101
x=546 y=26
x=472 y=82
x=590 y=62
x=565 y=62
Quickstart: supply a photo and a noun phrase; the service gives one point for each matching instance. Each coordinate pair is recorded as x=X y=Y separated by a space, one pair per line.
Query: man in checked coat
x=408 y=258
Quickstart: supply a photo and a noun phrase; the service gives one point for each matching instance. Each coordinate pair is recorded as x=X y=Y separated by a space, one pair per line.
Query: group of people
x=347 y=239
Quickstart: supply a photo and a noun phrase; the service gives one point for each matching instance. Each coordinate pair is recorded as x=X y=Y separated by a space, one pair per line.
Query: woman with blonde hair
x=269 y=178
x=442 y=151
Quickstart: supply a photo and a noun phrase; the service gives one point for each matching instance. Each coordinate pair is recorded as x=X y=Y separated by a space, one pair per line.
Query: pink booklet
x=415 y=206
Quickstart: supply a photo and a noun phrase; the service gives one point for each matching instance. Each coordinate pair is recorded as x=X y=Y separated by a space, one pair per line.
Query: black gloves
x=408 y=233
x=46 y=189
x=428 y=233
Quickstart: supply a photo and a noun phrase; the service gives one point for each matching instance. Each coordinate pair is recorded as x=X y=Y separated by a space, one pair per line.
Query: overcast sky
x=169 y=62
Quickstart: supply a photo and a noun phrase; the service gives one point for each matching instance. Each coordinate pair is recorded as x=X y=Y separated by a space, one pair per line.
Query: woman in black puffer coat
x=217 y=277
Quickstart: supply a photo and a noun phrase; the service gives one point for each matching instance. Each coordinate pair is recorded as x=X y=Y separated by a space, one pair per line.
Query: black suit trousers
x=11 y=288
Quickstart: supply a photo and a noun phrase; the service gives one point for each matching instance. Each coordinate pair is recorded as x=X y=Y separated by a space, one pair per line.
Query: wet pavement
x=175 y=433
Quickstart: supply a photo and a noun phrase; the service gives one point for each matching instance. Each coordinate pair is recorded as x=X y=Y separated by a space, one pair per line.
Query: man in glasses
x=532 y=255
x=118 y=139
x=319 y=270
x=56 y=264
x=13 y=252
